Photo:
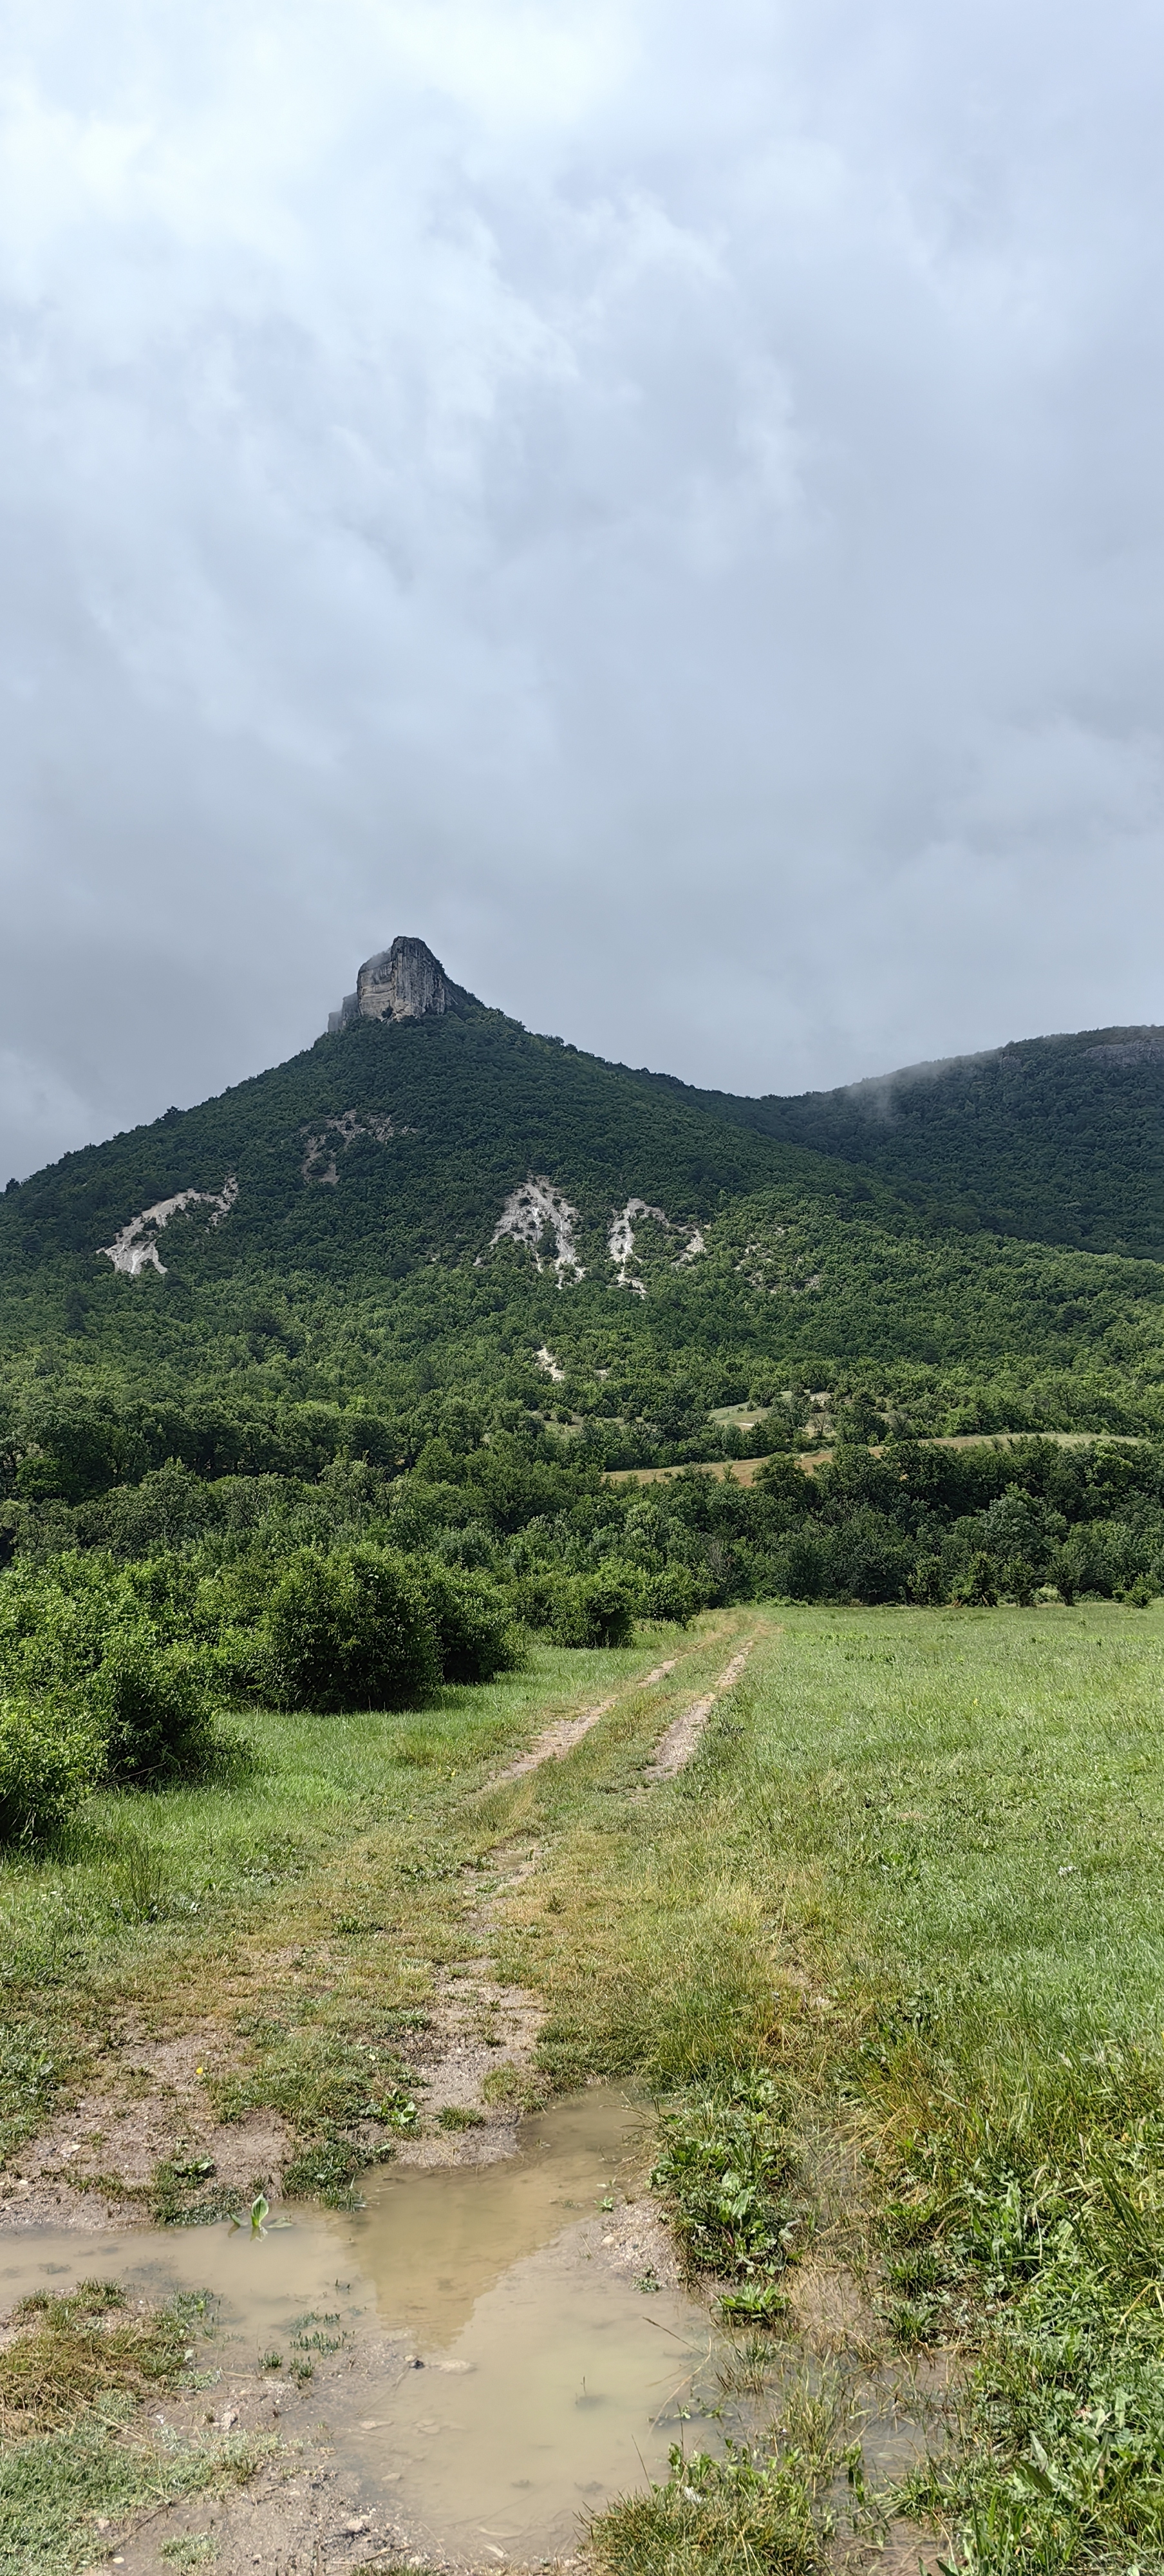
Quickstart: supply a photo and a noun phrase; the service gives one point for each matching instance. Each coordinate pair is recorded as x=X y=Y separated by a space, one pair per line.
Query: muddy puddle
x=549 y=2377
x=494 y=2349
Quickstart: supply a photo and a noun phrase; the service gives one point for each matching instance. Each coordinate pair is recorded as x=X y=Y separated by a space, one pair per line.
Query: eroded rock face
x=136 y=1247
x=531 y=1213
x=404 y=982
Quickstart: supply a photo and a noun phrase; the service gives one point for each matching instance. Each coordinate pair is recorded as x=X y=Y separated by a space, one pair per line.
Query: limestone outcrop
x=136 y=1247
x=533 y=1212
x=404 y=982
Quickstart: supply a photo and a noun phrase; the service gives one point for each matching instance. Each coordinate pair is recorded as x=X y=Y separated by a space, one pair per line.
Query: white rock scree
x=136 y=1247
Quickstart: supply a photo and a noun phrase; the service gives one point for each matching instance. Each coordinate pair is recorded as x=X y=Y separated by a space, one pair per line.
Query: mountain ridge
x=956 y=1137
x=1056 y=1139
x=411 y=1212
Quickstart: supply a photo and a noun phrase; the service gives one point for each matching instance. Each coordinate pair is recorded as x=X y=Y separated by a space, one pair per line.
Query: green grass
x=332 y=1834
x=741 y=2516
x=989 y=1786
x=916 y=1865
x=909 y=1812
x=78 y=2350
x=54 y=2488
x=71 y=2381
x=912 y=1872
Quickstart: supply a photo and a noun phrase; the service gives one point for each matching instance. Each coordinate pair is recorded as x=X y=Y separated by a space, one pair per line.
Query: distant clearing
x=745 y=1470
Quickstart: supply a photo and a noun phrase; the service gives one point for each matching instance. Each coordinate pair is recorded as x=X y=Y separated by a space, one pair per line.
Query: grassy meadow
x=911 y=1876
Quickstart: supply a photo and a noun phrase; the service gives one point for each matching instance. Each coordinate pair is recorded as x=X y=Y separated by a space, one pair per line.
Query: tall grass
x=915 y=1865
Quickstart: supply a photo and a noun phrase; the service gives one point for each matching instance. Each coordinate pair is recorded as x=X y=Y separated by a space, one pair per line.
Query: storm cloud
x=661 y=501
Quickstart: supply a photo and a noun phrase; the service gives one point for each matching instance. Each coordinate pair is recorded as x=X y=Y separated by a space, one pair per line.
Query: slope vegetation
x=418 y=1230
x=1059 y=1140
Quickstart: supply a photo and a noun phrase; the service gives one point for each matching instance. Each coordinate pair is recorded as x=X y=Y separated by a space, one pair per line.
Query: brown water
x=550 y=2382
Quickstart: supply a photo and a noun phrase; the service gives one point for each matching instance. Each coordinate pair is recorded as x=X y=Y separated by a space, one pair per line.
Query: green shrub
x=799 y=1566
x=537 y=1597
x=595 y=1609
x=53 y=1620
x=152 y=1706
x=475 y=1632
x=671 y=1593
x=351 y=1630
x=238 y=1662
x=50 y=1756
x=976 y=1588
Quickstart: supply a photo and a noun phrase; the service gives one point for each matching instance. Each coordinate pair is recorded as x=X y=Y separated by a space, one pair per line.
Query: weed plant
x=724 y=2175
x=761 y=2509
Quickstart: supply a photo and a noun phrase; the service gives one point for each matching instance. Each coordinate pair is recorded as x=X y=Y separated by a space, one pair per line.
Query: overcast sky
x=660 y=498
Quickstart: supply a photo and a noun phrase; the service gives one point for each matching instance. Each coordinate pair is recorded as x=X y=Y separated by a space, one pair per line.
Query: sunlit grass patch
x=55 y=2487
x=73 y=2448
x=66 y=2353
x=755 y=2511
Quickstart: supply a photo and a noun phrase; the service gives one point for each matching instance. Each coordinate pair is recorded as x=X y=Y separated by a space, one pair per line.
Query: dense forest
x=1058 y=1140
x=354 y=1280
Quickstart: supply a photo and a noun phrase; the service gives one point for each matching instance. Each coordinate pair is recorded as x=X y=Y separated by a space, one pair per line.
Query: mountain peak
x=404 y=982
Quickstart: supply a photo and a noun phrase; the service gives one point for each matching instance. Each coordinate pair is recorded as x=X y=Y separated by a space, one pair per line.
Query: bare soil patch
x=559 y=1739
x=93 y=2164
x=674 y=1749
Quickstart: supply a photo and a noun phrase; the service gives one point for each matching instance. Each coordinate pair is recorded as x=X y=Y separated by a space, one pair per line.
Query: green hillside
x=1057 y=1140
x=310 y=1403
x=341 y=1274
x=426 y=1285
x=429 y=1124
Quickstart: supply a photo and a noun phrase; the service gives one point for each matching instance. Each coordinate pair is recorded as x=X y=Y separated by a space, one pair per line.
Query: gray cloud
x=663 y=502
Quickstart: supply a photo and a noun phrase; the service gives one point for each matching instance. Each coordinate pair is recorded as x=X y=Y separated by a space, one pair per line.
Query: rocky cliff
x=404 y=982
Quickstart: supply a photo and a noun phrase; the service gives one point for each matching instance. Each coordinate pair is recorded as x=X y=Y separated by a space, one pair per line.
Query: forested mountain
x=1057 y=1140
x=431 y=1220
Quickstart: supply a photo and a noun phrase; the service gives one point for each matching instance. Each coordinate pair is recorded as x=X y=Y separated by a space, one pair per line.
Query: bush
x=152 y=1706
x=798 y=1567
x=976 y=1587
x=50 y=1757
x=351 y=1630
x=53 y=1621
x=671 y=1593
x=475 y=1633
x=536 y=1597
x=868 y=1559
x=595 y=1609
